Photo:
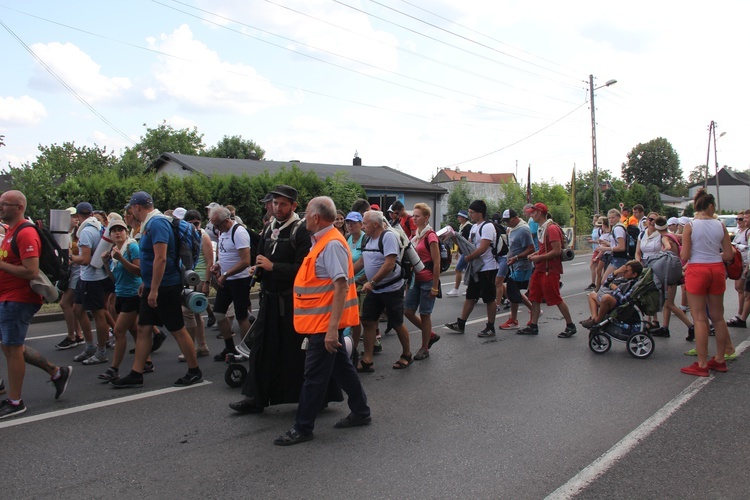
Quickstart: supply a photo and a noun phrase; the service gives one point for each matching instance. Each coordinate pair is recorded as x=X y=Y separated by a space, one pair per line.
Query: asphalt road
x=512 y=417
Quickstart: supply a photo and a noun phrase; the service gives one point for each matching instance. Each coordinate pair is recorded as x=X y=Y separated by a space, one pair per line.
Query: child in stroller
x=614 y=291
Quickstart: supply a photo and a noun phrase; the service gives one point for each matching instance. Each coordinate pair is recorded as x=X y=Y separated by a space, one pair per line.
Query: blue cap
x=140 y=198
x=84 y=208
x=354 y=216
x=463 y=213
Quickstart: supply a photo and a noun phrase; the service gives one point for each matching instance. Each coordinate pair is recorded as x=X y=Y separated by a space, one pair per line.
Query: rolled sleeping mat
x=195 y=301
x=567 y=254
x=104 y=246
x=190 y=277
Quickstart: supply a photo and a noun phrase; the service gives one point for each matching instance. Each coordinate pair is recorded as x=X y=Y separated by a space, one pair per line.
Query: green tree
x=235 y=147
x=512 y=197
x=162 y=139
x=654 y=163
x=697 y=175
x=458 y=199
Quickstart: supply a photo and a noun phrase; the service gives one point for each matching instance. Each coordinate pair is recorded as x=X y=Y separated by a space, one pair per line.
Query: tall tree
x=458 y=199
x=654 y=163
x=236 y=147
x=697 y=175
x=162 y=139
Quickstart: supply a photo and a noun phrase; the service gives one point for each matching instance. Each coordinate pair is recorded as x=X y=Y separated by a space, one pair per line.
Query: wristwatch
x=373 y=283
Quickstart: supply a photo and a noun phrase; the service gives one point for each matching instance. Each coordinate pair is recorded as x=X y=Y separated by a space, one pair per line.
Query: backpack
x=500 y=245
x=631 y=239
x=53 y=261
x=187 y=243
x=446 y=258
x=403 y=264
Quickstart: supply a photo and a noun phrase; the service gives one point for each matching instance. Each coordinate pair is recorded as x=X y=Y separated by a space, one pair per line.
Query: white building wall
x=490 y=193
x=732 y=198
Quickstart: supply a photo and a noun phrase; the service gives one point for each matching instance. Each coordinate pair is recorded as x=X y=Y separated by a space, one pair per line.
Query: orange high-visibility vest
x=313 y=297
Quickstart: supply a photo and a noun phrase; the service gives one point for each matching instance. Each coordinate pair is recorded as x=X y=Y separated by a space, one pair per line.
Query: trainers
x=421 y=354
x=487 y=332
x=8 y=409
x=189 y=379
x=727 y=357
x=67 y=343
x=61 y=383
x=569 y=331
x=511 y=324
x=530 y=329
x=110 y=375
x=159 y=339
x=86 y=354
x=433 y=338
x=454 y=292
x=592 y=286
x=222 y=356
x=148 y=367
x=696 y=370
x=352 y=420
x=211 y=320
x=96 y=359
x=737 y=322
x=202 y=352
x=660 y=332
x=455 y=327
x=685 y=309
x=692 y=352
x=691 y=333
x=2 y=386
x=588 y=323
x=129 y=381
x=291 y=437
x=716 y=366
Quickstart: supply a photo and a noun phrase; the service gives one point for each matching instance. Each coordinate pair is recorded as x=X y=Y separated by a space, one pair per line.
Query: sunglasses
x=740 y=220
x=196 y=223
x=651 y=219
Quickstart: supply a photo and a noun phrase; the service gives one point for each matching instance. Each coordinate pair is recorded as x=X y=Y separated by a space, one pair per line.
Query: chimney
x=357 y=161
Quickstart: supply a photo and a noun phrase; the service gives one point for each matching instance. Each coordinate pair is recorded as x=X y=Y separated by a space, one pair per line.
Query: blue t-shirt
x=534 y=228
x=126 y=284
x=89 y=237
x=356 y=250
x=158 y=230
x=518 y=241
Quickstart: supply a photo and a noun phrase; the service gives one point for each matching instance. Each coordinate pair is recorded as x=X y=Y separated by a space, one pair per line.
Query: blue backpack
x=187 y=243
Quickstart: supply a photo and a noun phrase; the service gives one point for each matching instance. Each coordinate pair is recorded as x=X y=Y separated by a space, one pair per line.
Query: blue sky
x=411 y=84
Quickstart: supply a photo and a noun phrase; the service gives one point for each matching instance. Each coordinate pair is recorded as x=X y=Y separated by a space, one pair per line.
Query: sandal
x=110 y=375
x=403 y=362
x=365 y=367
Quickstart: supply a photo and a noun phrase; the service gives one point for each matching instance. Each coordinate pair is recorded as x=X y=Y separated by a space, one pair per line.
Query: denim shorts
x=15 y=318
x=419 y=296
x=618 y=262
x=461 y=264
x=502 y=267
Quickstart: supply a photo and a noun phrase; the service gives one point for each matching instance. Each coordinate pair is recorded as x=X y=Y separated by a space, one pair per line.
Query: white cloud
x=20 y=111
x=180 y=122
x=78 y=70
x=212 y=84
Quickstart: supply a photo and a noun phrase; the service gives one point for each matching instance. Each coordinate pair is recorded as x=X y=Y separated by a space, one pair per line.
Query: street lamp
x=716 y=169
x=593 y=138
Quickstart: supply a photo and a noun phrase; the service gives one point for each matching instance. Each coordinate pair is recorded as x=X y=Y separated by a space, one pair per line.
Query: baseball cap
x=354 y=216
x=114 y=216
x=179 y=213
x=684 y=220
x=268 y=197
x=84 y=208
x=375 y=206
x=72 y=210
x=117 y=223
x=536 y=206
x=673 y=221
x=463 y=213
x=509 y=214
x=213 y=204
x=286 y=192
x=140 y=198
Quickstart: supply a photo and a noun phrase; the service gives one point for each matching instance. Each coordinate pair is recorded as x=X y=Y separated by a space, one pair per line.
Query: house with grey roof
x=733 y=192
x=383 y=185
x=481 y=185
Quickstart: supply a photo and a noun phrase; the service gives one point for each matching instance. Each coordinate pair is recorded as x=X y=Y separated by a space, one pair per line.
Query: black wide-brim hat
x=286 y=192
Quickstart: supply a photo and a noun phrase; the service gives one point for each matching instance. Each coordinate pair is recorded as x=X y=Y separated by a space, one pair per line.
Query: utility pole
x=593 y=138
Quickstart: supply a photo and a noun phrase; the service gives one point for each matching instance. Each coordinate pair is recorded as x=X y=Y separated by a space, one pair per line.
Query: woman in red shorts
x=705 y=247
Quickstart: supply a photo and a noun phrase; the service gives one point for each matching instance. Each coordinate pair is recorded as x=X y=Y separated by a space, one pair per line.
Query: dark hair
x=638 y=207
x=479 y=206
x=192 y=215
x=397 y=206
x=360 y=206
x=702 y=200
x=636 y=266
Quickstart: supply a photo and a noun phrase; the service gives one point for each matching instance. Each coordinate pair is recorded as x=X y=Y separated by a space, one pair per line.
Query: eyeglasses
x=740 y=220
x=4 y=204
x=196 y=223
x=650 y=219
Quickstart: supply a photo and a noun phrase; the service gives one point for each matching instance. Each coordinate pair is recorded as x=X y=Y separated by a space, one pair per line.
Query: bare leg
x=700 y=320
x=124 y=322
x=369 y=339
x=563 y=308
x=14 y=355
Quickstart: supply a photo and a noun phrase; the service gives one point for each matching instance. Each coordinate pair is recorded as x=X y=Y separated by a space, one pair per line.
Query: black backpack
x=500 y=245
x=631 y=239
x=446 y=258
x=53 y=261
x=406 y=268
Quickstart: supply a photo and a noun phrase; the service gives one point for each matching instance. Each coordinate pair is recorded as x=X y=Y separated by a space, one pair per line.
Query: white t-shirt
x=229 y=255
x=484 y=231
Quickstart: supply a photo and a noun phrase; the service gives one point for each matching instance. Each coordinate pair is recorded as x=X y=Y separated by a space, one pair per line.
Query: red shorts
x=545 y=286
x=706 y=279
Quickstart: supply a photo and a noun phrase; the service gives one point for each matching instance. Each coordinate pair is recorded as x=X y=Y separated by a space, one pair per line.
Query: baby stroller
x=625 y=322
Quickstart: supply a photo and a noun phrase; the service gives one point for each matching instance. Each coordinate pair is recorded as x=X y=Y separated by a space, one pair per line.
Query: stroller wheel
x=235 y=375
x=641 y=345
x=599 y=343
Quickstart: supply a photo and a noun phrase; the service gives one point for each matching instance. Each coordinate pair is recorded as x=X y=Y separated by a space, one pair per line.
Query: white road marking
x=598 y=467
x=579 y=264
x=94 y=406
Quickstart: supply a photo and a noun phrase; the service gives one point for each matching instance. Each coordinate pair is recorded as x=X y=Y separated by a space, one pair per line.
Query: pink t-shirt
x=423 y=250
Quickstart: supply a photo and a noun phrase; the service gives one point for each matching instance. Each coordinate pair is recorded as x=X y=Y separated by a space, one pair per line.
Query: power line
x=68 y=87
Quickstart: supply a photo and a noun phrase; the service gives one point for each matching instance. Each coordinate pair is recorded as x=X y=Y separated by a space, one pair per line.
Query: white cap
x=672 y=221
x=213 y=204
x=179 y=213
x=684 y=220
x=506 y=214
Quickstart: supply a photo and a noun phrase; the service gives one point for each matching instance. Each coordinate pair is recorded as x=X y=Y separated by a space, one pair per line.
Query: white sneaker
x=96 y=359
x=453 y=293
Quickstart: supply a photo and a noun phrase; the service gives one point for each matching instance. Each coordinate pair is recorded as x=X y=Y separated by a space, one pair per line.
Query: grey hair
x=322 y=206
x=375 y=216
x=222 y=213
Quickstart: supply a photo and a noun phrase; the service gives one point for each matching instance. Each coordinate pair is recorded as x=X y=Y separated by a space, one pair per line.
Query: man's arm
x=28 y=270
x=341 y=287
x=243 y=264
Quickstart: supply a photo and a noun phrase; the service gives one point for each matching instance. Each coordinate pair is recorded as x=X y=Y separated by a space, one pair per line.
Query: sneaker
x=455 y=327
x=148 y=367
x=660 y=332
x=712 y=331
x=592 y=286
x=421 y=354
x=110 y=375
x=727 y=357
x=692 y=352
x=433 y=338
x=530 y=329
x=685 y=309
x=588 y=323
x=2 y=386
x=691 y=333
x=696 y=370
x=86 y=354
x=111 y=343
x=80 y=340
x=129 y=381
x=569 y=331
x=202 y=352
x=716 y=366
x=352 y=420
x=222 y=356
x=67 y=343
x=7 y=409
x=61 y=383
x=454 y=292
x=96 y=359
x=511 y=324
x=159 y=339
x=487 y=332
x=211 y=320
x=378 y=347
x=291 y=437
x=189 y=379
x=498 y=308
x=737 y=322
